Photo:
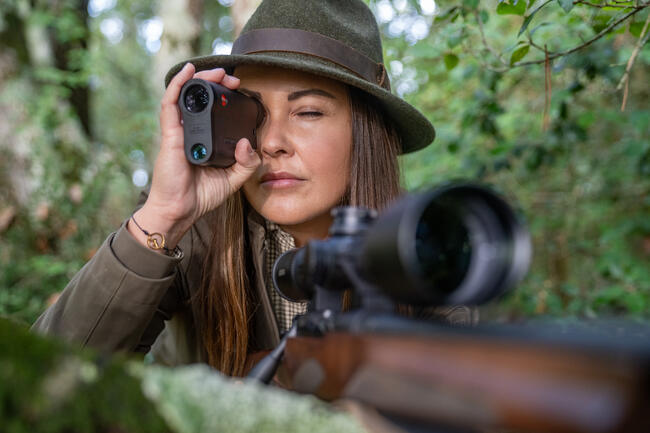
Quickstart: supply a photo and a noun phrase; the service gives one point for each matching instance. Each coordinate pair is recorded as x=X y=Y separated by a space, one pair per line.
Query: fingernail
x=187 y=65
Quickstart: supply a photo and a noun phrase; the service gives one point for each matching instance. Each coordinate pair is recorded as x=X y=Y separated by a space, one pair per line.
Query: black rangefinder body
x=215 y=118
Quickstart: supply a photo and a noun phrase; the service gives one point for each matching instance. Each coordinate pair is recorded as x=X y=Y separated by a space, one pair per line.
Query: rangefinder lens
x=196 y=99
x=199 y=152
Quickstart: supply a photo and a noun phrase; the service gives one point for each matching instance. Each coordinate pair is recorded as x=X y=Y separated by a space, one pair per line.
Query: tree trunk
x=63 y=59
x=241 y=11
x=181 y=35
x=12 y=56
x=28 y=46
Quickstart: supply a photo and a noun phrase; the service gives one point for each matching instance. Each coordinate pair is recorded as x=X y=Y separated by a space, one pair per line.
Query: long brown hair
x=225 y=299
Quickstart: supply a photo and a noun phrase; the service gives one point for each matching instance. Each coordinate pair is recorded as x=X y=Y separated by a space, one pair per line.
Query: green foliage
x=530 y=17
x=451 y=60
x=519 y=53
x=581 y=181
x=567 y=5
x=511 y=7
x=30 y=282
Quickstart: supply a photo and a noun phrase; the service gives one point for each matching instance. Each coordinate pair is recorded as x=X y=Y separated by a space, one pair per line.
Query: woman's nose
x=273 y=138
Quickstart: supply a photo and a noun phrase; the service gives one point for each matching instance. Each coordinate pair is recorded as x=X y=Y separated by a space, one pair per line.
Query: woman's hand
x=182 y=192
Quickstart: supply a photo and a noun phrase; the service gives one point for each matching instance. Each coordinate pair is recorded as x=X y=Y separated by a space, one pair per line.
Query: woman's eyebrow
x=301 y=93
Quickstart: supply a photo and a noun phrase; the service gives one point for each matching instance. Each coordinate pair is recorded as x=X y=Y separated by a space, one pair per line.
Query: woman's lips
x=280 y=179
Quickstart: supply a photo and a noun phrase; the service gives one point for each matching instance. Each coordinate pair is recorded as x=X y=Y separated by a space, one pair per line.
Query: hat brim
x=415 y=131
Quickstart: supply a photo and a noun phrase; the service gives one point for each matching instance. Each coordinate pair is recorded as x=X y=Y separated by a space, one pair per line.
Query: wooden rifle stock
x=476 y=382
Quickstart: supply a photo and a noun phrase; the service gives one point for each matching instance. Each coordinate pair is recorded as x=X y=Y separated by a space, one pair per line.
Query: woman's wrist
x=152 y=224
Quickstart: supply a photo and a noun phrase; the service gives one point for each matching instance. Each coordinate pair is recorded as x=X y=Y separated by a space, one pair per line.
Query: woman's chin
x=291 y=216
x=286 y=220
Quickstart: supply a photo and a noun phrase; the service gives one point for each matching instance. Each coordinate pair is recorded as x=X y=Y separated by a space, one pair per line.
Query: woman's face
x=305 y=143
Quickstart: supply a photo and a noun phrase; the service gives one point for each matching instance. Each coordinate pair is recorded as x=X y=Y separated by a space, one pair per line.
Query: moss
x=196 y=399
x=47 y=387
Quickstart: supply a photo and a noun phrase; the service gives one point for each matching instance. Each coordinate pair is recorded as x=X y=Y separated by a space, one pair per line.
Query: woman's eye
x=310 y=114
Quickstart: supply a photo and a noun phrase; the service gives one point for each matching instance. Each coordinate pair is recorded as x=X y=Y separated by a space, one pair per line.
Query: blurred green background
x=530 y=96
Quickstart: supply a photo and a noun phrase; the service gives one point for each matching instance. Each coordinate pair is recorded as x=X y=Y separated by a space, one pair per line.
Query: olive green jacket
x=132 y=299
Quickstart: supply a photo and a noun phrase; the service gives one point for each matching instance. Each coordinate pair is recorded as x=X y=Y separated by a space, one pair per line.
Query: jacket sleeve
x=119 y=300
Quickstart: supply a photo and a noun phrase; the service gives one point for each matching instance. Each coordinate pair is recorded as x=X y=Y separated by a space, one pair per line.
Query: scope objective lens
x=443 y=247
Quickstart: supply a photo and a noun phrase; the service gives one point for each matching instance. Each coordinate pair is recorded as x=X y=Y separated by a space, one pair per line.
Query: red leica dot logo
x=224 y=100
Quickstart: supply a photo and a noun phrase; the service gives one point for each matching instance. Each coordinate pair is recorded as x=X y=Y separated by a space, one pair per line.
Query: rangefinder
x=215 y=118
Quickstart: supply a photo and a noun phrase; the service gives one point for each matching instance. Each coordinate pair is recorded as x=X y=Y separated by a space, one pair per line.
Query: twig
x=536 y=46
x=547 y=88
x=625 y=79
x=602 y=33
x=604 y=5
x=479 y=57
x=485 y=43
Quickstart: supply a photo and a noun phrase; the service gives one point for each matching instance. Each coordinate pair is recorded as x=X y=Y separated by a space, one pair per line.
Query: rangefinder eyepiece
x=196 y=98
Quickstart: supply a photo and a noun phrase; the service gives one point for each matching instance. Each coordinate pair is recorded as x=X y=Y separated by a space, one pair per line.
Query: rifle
x=458 y=244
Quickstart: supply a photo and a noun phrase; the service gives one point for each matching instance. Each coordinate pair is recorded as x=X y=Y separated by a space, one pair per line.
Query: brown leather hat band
x=313 y=44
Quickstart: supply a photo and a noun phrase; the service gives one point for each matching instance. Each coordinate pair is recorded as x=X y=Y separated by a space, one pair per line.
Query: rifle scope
x=456 y=244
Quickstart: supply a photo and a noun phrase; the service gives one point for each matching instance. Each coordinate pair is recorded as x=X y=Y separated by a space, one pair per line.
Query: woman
x=331 y=136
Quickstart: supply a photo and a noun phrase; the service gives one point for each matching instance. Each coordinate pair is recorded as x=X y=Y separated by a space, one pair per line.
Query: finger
x=169 y=114
x=230 y=82
x=215 y=75
x=170 y=121
x=174 y=88
x=247 y=161
x=218 y=75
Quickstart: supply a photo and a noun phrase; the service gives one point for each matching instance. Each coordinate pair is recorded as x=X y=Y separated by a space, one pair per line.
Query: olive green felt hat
x=338 y=39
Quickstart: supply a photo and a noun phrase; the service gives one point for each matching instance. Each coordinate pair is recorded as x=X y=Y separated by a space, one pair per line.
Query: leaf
x=451 y=60
x=635 y=28
x=567 y=5
x=601 y=21
x=519 y=54
x=423 y=50
x=471 y=3
x=455 y=38
x=449 y=14
x=514 y=7
x=529 y=18
x=539 y=26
